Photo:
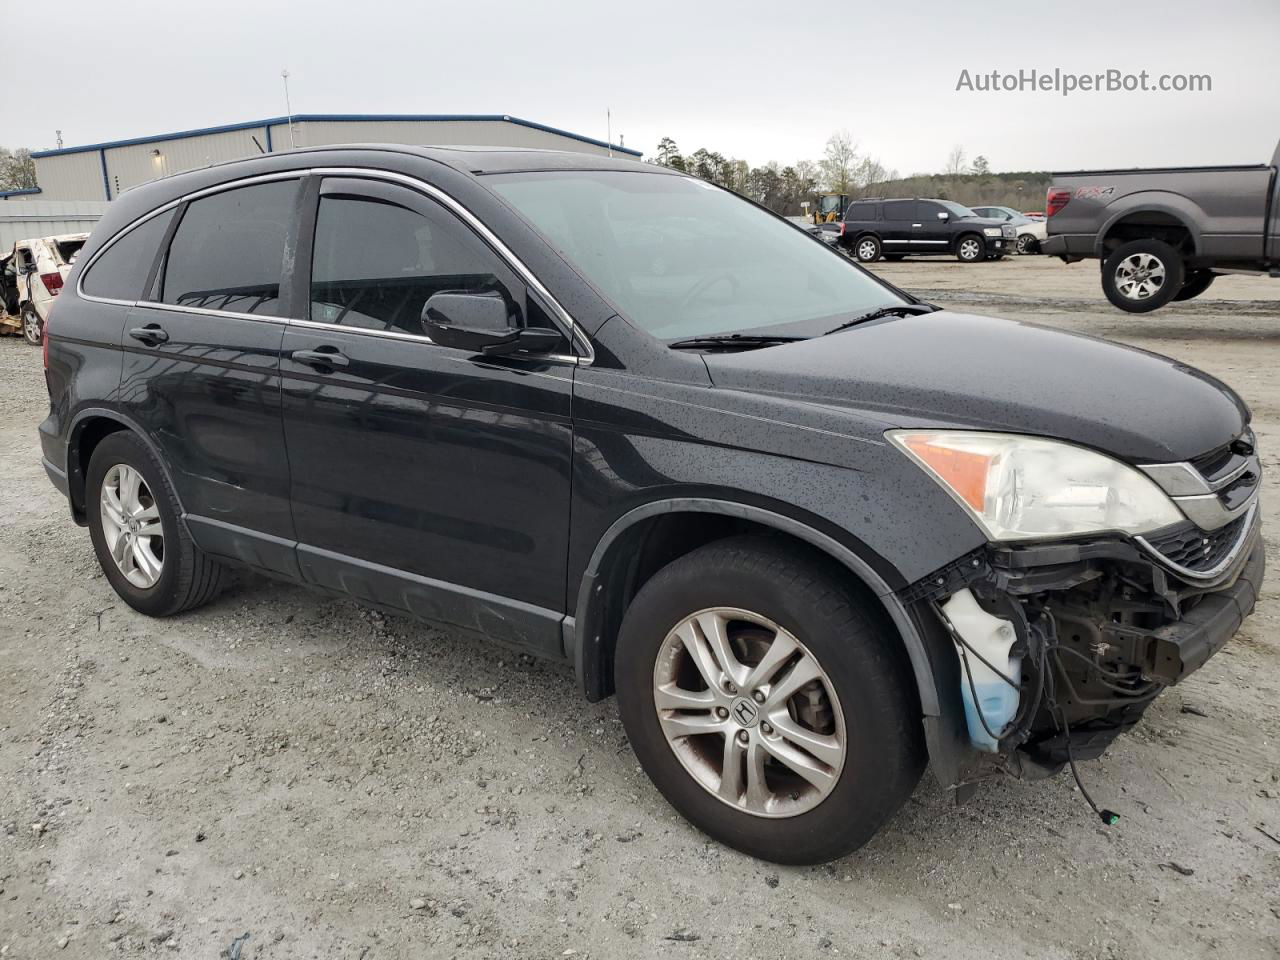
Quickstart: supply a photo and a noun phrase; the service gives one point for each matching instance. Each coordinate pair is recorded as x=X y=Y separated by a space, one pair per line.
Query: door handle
x=151 y=334
x=321 y=357
x=917 y=224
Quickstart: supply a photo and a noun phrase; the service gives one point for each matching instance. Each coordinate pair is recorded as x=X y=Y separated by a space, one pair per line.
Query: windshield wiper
x=731 y=340
x=910 y=309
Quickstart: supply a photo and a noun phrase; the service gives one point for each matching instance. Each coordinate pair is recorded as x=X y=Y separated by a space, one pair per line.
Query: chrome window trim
x=206 y=312
x=1246 y=532
x=572 y=330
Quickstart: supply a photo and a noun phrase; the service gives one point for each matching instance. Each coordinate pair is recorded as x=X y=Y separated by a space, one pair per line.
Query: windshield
x=681 y=258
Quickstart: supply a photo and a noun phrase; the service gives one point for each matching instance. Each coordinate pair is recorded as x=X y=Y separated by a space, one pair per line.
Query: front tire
x=971 y=249
x=1142 y=275
x=1027 y=244
x=32 y=325
x=145 y=551
x=767 y=701
x=867 y=249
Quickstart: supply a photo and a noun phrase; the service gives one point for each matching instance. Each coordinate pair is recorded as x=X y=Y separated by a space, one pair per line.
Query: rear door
x=898 y=226
x=202 y=363
x=425 y=478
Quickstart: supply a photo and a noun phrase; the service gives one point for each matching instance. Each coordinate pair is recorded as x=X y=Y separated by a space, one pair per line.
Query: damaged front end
x=1060 y=647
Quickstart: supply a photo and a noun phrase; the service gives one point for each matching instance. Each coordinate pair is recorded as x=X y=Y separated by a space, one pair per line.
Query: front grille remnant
x=1197 y=550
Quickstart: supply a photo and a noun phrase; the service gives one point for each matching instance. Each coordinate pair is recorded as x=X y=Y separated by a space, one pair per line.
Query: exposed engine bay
x=1063 y=646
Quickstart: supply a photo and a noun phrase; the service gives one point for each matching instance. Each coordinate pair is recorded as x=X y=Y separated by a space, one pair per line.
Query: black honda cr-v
x=813 y=532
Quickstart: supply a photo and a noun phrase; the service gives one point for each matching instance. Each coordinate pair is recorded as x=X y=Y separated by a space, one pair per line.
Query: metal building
x=101 y=171
x=22 y=218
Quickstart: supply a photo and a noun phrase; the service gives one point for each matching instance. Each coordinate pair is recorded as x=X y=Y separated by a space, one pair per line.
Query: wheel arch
x=618 y=567
x=89 y=428
x=1166 y=217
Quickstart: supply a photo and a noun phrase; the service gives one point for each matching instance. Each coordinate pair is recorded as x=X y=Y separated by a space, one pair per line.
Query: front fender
x=933 y=662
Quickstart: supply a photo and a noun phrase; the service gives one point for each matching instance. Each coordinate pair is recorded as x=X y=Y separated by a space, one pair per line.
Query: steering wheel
x=705 y=284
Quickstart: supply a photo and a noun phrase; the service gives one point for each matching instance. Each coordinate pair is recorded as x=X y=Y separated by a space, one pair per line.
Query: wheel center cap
x=745 y=712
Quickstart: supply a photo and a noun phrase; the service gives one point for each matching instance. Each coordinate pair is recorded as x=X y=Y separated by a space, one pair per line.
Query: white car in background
x=1031 y=233
x=31 y=275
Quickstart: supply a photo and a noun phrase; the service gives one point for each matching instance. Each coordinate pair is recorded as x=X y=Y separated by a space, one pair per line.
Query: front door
x=425 y=478
x=201 y=370
x=932 y=233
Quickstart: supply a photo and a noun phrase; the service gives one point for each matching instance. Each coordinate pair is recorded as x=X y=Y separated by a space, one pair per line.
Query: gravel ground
x=334 y=783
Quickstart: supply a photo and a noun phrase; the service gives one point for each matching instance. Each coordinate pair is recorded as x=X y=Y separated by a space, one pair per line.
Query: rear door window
x=900 y=210
x=228 y=251
x=123 y=268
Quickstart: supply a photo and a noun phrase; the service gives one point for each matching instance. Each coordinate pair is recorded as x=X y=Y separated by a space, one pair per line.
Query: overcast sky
x=759 y=81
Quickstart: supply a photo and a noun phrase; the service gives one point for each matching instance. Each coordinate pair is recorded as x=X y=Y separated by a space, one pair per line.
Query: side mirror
x=943 y=215
x=479 y=322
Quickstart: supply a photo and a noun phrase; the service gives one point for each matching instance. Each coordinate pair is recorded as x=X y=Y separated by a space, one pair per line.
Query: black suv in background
x=813 y=532
x=894 y=229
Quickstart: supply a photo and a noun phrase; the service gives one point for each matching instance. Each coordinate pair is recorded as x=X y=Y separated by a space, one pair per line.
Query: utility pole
x=288 y=109
x=608 y=128
x=59 y=133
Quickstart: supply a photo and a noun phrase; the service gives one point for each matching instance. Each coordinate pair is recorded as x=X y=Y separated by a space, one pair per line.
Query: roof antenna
x=284 y=75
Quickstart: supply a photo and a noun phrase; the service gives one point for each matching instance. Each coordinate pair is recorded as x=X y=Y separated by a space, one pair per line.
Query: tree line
x=844 y=169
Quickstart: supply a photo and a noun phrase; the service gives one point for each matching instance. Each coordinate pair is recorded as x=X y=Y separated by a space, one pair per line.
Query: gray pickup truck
x=1163 y=234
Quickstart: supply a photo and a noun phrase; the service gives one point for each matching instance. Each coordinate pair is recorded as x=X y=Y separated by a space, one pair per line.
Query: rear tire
x=32 y=325
x=1142 y=275
x=186 y=577
x=971 y=248
x=1196 y=283
x=866 y=249
x=863 y=703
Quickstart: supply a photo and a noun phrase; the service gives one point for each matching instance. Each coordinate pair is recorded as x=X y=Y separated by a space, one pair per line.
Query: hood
x=980 y=221
x=975 y=372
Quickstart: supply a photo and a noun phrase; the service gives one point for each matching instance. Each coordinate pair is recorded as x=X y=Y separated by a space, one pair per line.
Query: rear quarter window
x=122 y=269
x=863 y=211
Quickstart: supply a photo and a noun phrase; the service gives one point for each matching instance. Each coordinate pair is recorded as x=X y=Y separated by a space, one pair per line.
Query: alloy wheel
x=1026 y=244
x=969 y=249
x=131 y=524
x=749 y=712
x=1140 y=276
x=32 y=328
x=866 y=250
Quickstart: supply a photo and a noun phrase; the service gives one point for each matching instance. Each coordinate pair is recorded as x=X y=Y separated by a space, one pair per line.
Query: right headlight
x=1026 y=488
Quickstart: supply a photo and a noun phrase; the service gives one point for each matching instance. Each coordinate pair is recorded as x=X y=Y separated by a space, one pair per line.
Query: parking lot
x=337 y=783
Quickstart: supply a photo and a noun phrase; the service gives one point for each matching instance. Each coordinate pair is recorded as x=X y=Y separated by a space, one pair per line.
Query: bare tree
x=838 y=162
x=17 y=169
x=956 y=162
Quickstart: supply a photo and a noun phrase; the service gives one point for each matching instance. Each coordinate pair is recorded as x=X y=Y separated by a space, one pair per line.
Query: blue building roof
x=339 y=118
